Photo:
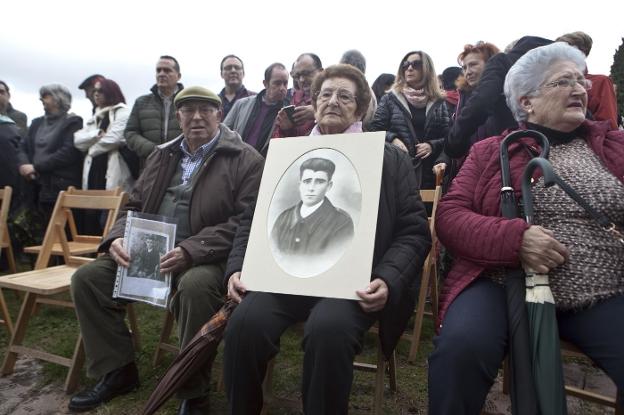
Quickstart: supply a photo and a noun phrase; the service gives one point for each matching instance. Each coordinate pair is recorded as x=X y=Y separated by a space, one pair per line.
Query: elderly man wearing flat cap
x=205 y=178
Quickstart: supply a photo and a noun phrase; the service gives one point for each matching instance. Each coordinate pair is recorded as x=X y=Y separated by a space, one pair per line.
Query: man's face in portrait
x=149 y=244
x=313 y=186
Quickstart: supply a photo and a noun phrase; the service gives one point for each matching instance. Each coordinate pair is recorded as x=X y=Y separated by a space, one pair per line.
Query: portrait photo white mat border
x=352 y=271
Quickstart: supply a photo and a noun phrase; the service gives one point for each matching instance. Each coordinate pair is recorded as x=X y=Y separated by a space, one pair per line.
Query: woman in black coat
x=47 y=155
x=414 y=115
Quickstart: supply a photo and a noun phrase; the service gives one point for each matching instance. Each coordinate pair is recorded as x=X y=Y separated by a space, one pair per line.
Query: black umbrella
x=523 y=396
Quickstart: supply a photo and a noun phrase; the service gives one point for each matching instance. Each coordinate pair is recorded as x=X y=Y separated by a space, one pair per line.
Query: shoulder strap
x=599 y=217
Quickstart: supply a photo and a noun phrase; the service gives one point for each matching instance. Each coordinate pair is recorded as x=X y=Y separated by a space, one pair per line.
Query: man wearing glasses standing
x=300 y=121
x=205 y=178
x=232 y=72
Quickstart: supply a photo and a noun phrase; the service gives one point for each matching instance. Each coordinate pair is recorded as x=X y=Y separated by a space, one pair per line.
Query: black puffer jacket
x=394 y=117
x=145 y=124
x=402 y=242
x=486 y=112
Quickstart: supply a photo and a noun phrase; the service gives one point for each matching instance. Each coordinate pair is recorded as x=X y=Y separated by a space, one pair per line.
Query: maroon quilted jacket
x=469 y=222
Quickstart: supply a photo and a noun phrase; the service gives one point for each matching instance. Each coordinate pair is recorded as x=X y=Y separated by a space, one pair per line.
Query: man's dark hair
x=269 y=71
x=226 y=57
x=354 y=58
x=5 y=86
x=318 y=164
x=176 y=65
x=315 y=59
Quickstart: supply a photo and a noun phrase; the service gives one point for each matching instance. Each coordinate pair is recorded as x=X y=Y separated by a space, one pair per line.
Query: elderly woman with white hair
x=546 y=91
x=47 y=154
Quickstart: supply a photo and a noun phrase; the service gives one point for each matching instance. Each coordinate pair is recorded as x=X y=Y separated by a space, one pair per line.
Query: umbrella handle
x=513 y=137
x=550 y=178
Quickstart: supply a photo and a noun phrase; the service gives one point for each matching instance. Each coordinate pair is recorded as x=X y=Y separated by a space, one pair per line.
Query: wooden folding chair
x=164 y=344
x=81 y=244
x=5 y=238
x=5 y=244
x=570 y=350
x=429 y=278
x=43 y=283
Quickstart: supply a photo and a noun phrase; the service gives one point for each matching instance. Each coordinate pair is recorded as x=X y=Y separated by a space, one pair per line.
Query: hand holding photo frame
x=313 y=231
x=146 y=238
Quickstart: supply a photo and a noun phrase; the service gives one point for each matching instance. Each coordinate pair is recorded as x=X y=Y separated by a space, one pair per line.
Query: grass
x=55 y=330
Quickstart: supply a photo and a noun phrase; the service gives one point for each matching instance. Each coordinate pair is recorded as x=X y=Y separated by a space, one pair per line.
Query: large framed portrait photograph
x=147 y=238
x=313 y=230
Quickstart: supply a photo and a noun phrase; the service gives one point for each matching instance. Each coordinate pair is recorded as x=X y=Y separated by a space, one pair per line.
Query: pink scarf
x=416 y=97
x=356 y=127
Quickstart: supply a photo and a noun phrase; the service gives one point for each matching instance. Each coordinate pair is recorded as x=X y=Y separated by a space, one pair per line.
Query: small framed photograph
x=314 y=225
x=147 y=238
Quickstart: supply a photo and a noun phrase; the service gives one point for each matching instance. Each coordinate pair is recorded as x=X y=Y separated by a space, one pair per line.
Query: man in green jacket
x=153 y=118
x=205 y=178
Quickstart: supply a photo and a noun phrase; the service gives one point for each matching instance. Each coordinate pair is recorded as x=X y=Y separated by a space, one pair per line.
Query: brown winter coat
x=225 y=184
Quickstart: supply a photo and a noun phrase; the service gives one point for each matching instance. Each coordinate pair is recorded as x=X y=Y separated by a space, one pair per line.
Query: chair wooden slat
x=5 y=244
x=43 y=282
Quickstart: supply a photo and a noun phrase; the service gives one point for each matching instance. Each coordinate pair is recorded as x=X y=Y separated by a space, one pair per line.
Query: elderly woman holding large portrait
x=334 y=328
x=546 y=91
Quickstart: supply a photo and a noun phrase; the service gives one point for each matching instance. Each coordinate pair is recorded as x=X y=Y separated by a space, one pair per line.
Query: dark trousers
x=473 y=341
x=107 y=341
x=333 y=335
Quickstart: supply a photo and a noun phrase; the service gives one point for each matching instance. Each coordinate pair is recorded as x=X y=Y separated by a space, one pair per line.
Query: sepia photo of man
x=314 y=226
x=146 y=255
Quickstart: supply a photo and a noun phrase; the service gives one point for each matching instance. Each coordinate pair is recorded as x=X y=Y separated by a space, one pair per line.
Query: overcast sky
x=65 y=41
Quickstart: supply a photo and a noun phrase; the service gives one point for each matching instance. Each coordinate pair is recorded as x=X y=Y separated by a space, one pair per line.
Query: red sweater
x=469 y=222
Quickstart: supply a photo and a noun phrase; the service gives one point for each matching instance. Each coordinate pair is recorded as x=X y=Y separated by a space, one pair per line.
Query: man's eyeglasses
x=414 y=64
x=569 y=83
x=343 y=96
x=204 y=110
x=305 y=74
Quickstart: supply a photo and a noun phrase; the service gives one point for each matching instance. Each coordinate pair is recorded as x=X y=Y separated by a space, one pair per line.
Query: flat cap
x=197 y=93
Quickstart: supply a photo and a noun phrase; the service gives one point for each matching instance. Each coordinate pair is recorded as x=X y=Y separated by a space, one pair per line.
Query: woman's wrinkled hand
x=540 y=251
x=236 y=290
x=374 y=296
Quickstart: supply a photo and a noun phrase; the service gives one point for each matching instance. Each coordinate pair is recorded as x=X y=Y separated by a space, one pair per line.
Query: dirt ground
x=20 y=393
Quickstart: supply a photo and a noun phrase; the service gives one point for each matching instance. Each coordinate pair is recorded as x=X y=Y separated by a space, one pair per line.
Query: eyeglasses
x=305 y=74
x=204 y=110
x=98 y=90
x=343 y=96
x=414 y=64
x=232 y=68
x=569 y=83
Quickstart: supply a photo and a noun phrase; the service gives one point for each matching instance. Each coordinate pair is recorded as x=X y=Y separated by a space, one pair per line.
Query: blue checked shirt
x=190 y=162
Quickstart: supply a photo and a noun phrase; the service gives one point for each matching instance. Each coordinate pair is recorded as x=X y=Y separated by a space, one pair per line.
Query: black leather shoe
x=118 y=382
x=195 y=406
